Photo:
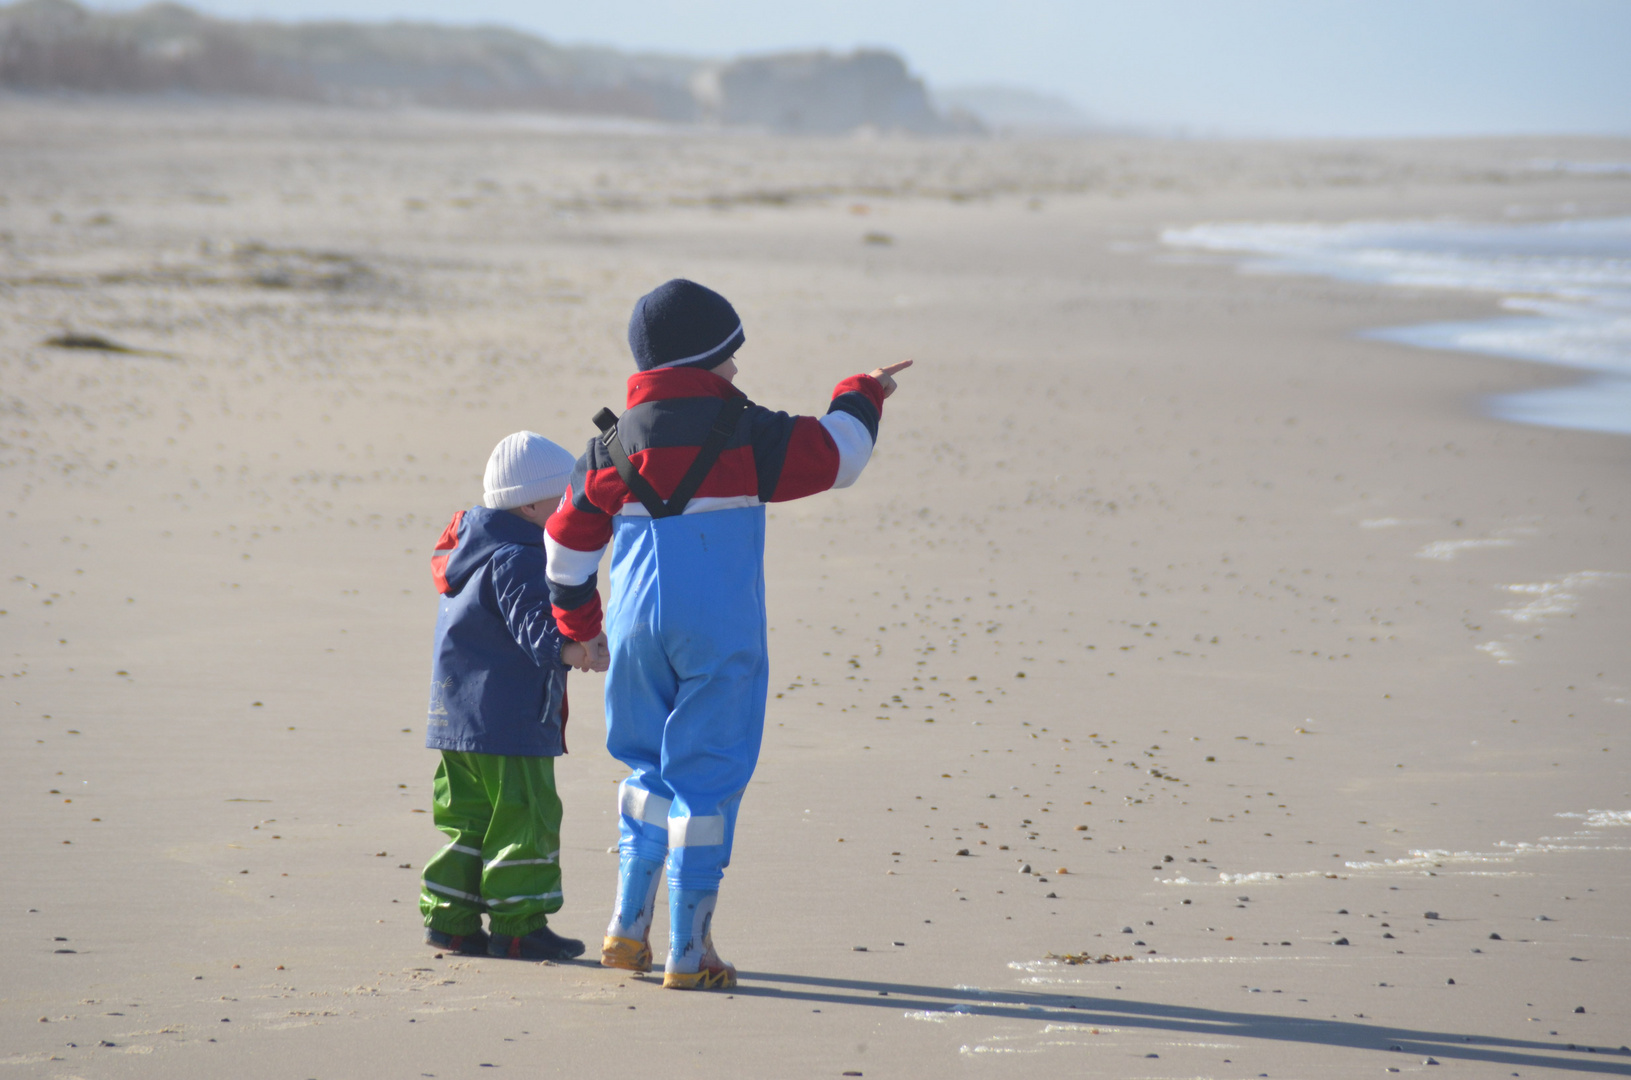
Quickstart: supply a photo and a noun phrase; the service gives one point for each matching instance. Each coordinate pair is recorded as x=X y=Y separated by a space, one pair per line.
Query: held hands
x=886 y=375
x=591 y=655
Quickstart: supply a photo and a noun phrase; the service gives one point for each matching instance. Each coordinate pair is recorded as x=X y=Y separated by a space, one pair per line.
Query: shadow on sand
x=1054 y=1008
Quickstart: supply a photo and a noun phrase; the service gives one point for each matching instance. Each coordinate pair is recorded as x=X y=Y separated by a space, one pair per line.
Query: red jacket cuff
x=581 y=623
x=865 y=385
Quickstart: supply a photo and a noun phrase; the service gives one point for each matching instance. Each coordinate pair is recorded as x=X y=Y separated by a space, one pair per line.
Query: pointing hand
x=886 y=375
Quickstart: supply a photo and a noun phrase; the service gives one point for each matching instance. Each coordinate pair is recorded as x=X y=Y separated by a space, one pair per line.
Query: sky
x=1202 y=67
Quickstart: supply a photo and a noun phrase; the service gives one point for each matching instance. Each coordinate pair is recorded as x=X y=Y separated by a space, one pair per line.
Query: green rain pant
x=504 y=820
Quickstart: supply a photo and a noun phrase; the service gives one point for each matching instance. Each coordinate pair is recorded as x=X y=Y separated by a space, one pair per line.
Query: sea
x=1565 y=286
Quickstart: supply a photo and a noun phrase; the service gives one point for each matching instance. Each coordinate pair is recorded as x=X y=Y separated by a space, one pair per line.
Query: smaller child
x=498 y=715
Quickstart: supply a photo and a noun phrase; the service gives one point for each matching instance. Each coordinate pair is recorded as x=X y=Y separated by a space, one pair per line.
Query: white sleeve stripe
x=568 y=566
x=701 y=505
x=854 y=446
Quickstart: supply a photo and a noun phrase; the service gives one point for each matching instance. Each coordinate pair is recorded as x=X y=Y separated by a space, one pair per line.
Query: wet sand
x=1252 y=640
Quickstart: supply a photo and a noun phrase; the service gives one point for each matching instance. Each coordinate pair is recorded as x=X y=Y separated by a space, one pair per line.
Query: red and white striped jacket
x=772 y=457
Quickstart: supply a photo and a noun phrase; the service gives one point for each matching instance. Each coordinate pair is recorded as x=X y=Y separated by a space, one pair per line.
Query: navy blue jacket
x=497 y=682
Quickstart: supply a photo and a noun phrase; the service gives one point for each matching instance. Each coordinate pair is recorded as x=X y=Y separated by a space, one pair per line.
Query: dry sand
x=1159 y=577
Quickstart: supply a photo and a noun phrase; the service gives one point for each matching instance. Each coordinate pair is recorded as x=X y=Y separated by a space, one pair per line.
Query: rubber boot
x=541 y=944
x=472 y=944
x=692 y=962
x=628 y=938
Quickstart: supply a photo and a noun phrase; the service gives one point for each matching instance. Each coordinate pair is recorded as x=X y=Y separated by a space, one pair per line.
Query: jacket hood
x=471 y=538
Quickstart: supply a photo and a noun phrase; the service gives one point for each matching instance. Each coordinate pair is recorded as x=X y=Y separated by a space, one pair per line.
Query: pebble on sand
x=71 y=340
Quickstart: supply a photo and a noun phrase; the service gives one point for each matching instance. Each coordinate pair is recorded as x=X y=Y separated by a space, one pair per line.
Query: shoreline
x=1562 y=285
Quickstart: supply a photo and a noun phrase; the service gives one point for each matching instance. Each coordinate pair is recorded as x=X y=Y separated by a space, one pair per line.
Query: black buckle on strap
x=724 y=426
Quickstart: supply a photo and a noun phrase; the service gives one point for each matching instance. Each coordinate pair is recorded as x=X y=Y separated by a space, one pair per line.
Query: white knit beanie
x=525 y=468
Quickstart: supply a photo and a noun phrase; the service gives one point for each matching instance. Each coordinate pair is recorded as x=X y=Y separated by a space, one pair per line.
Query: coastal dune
x=1191 y=686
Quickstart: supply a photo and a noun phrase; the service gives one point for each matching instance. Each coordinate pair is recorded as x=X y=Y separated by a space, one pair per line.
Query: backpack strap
x=724 y=426
x=606 y=421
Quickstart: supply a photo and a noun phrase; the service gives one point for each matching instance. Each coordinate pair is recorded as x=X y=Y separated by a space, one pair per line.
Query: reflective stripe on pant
x=685 y=696
x=503 y=818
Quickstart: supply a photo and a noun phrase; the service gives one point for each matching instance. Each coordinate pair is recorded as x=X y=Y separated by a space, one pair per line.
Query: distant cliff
x=57 y=45
x=818 y=93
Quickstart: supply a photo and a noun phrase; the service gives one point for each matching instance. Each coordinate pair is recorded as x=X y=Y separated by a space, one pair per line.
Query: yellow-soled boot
x=692 y=962
x=714 y=974
x=627 y=944
x=626 y=953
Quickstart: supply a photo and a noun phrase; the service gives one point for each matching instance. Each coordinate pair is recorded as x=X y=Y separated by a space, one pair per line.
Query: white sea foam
x=1603 y=819
x=1555 y=599
x=1262 y=875
x=1069 y=976
x=938 y=1016
x=1567 y=285
x=1421 y=860
x=1548 y=600
x=1427 y=860
x=1446 y=550
x=1225 y=878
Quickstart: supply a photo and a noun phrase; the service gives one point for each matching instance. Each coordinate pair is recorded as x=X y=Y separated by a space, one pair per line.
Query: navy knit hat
x=683 y=324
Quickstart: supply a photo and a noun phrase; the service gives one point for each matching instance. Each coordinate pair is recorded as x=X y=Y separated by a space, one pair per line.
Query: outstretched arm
x=830 y=453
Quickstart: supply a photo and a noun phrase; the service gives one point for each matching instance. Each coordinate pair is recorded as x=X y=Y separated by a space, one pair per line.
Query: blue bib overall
x=685 y=696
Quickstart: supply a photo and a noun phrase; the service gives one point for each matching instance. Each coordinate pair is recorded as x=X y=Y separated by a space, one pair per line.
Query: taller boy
x=685 y=696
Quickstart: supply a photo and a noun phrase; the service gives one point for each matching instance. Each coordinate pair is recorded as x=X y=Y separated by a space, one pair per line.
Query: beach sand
x=1300 y=687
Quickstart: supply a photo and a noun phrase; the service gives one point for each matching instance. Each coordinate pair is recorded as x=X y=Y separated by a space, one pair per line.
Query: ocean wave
x=1567 y=285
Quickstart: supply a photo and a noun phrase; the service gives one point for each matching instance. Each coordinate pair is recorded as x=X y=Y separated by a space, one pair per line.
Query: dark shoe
x=469 y=944
x=542 y=944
